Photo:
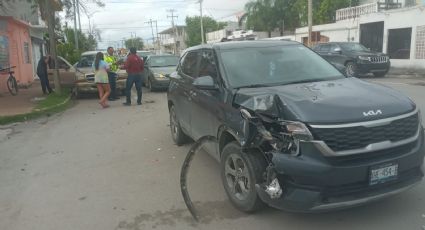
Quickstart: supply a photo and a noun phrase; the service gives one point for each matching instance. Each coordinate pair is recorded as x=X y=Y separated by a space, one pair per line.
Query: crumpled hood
x=164 y=70
x=327 y=102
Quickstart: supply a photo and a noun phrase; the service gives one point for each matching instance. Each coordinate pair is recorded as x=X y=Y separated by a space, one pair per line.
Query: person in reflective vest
x=112 y=73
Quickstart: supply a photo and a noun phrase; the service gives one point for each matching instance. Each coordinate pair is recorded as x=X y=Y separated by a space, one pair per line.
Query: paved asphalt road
x=94 y=169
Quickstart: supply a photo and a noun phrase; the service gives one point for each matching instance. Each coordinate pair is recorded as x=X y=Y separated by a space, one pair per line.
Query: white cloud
x=119 y=18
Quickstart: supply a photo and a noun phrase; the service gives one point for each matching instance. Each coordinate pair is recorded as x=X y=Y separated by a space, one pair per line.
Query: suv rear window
x=275 y=65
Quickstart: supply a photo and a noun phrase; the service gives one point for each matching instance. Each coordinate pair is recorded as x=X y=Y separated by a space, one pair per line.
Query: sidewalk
x=22 y=103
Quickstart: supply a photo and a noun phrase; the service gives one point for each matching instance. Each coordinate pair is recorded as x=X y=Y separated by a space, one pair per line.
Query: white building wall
x=411 y=17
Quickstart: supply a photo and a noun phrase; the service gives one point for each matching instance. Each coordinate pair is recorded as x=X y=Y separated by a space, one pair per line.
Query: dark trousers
x=112 y=77
x=45 y=84
x=135 y=79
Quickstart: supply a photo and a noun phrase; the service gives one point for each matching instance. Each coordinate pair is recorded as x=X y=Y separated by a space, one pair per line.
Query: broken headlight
x=295 y=132
x=298 y=130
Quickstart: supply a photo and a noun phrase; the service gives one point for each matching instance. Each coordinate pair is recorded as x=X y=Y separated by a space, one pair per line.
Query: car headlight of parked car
x=159 y=76
x=364 y=58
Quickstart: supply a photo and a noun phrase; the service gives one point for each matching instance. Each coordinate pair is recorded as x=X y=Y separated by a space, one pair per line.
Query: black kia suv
x=357 y=59
x=292 y=131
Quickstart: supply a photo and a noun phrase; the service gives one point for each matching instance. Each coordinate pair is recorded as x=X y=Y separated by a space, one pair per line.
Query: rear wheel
x=239 y=173
x=12 y=85
x=351 y=69
x=179 y=137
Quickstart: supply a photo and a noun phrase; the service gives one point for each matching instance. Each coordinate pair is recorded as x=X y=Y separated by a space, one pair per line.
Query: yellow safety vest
x=111 y=60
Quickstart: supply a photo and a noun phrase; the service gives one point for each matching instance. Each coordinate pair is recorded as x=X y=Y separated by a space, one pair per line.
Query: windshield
x=86 y=61
x=275 y=65
x=353 y=47
x=164 y=61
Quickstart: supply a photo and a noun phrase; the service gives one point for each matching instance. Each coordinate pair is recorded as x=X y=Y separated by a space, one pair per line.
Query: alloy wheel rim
x=173 y=123
x=237 y=177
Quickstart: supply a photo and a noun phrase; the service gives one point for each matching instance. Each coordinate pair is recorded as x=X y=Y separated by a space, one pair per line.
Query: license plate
x=383 y=173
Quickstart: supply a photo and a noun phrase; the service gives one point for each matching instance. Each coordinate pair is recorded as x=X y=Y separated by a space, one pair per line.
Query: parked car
x=291 y=130
x=357 y=59
x=158 y=69
x=144 y=54
x=85 y=75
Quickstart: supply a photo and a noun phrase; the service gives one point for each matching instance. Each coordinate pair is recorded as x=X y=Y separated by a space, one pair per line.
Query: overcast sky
x=120 y=18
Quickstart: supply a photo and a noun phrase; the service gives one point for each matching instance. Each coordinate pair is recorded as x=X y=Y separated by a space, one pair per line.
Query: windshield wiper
x=308 y=80
x=255 y=86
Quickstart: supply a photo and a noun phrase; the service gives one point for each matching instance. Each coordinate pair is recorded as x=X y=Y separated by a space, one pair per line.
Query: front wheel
x=239 y=173
x=351 y=69
x=179 y=137
x=12 y=85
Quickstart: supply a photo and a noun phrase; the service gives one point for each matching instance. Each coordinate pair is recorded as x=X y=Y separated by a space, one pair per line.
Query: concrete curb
x=35 y=113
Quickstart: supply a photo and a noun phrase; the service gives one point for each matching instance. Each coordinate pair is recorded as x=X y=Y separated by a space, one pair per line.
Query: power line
x=174 y=28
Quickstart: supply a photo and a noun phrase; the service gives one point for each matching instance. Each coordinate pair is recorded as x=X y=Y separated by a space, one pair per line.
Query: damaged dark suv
x=292 y=131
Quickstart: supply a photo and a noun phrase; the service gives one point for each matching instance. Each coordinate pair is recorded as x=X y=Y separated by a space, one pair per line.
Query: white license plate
x=383 y=173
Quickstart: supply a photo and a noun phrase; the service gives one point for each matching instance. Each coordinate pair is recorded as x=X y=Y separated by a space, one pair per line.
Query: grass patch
x=53 y=103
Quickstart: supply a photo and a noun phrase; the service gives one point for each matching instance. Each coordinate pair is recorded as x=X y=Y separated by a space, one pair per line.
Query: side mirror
x=338 y=50
x=205 y=83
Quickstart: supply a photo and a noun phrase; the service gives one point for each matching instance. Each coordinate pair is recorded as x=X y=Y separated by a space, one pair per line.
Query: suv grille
x=378 y=59
x=340 y=139
x=90 y=77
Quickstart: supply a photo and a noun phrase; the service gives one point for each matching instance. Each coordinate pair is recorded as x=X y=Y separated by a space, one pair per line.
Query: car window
x=275 y=65
x=86 y=61
x=163 y=61
x=207 y=65
x=189 y=64
x=325 y=48
x=334 y=47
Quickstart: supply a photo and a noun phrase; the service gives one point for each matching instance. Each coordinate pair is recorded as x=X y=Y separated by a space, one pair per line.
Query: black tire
x=381 y=74
x=179 y=137
x=12 y=86
x=245 y=166
x=351 y=69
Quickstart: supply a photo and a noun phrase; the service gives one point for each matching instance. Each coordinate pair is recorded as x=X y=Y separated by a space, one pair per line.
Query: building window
x=399 y=41
x=420 y=42
x=27 y=59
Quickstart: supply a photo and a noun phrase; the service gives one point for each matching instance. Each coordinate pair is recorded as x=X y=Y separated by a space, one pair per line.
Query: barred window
x=27 y=59
x=420 y=42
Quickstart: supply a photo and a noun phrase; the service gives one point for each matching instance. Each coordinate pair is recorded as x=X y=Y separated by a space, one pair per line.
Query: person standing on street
x=101 y=79
x=112 y=73
x=134 y=66
x=42 y=74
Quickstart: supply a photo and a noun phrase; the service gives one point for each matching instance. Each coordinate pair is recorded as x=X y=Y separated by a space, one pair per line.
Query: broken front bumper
x=313 y=182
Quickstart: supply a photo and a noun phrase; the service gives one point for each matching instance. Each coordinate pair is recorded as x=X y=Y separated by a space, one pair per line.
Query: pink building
x=15 y=50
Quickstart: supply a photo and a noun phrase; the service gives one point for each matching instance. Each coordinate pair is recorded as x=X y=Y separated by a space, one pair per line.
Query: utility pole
x=157 y=37
x=174 y=28
x=310 y=21
x=75 y=26
x=153 y=36
x=202 y=24
x=50 y=15
x=78 y=14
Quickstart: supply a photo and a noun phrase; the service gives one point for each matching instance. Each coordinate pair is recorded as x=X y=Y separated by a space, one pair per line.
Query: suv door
x=335 y=54
x=66 y=72
x=206 y=109
x=181 y=88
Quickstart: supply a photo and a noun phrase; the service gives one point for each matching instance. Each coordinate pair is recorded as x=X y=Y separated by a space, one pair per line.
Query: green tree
x=268 y=15
x=134 y=42
x=66 y=48
x=193 y=29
